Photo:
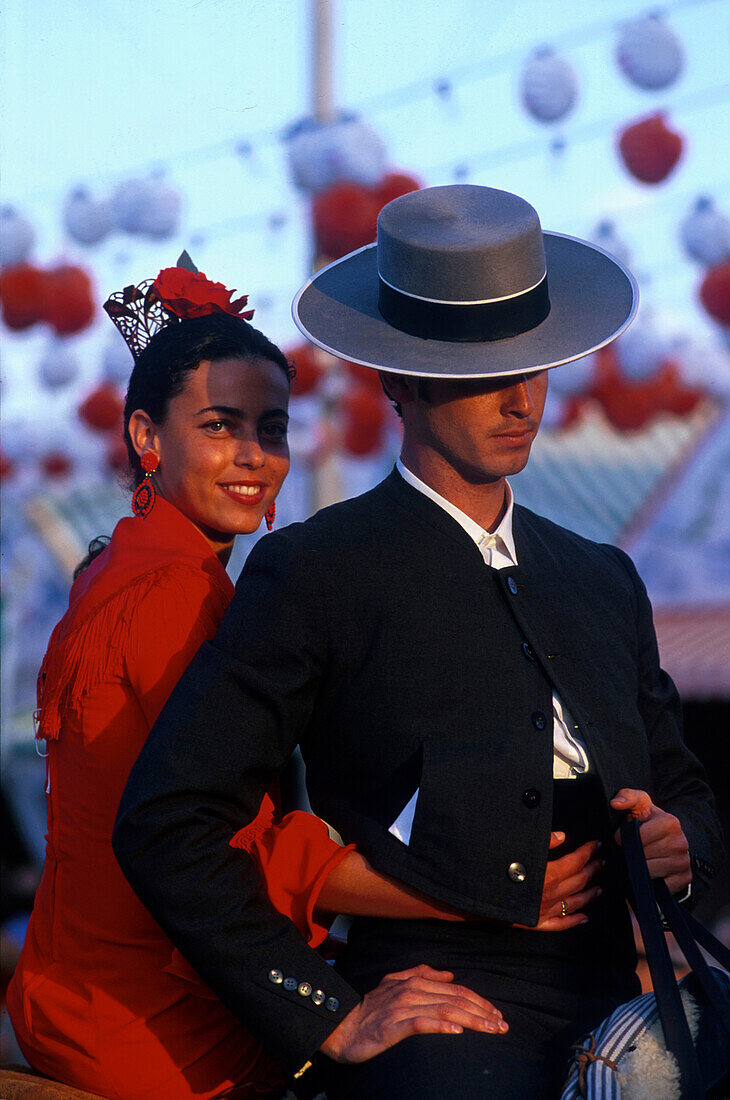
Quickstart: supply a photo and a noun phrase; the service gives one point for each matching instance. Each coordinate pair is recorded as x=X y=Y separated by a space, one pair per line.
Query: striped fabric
x=614 y=1038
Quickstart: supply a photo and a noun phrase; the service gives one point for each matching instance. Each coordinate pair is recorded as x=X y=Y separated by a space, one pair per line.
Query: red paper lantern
x=102 y=409
x=7 y=467
x=631 y=405
x=56 y=464
x=363 y=420
x=68 y=304
x=393 y=185
x=649 y=149
x=345 y=217
x=117 y=457
x=308 y=372
x=365 y=376
x=21 y=296
x=715 y=292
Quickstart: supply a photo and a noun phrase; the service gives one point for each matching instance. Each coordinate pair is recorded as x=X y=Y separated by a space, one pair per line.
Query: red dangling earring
x=143 y=499
x=270 y=515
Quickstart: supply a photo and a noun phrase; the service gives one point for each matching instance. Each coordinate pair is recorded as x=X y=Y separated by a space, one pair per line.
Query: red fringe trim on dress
x=95 y=650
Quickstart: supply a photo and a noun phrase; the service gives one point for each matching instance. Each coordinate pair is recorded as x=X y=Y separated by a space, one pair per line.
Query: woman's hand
x=569 y=886
x=662 y=837
x=411 y=1002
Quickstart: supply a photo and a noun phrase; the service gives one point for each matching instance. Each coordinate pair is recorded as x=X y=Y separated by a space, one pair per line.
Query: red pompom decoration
x=21 y=296
x=363 y=421
x=649 y=149
x=715 y=292
x=308 y=373
x=68 y=300
x=102 y=409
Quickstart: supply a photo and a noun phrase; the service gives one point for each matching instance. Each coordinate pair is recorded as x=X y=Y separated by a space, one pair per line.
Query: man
x=471 y=686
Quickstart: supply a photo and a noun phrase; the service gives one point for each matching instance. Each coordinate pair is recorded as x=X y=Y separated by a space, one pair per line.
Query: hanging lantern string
x=476 y=70
x=519 y=150
x=407 y=94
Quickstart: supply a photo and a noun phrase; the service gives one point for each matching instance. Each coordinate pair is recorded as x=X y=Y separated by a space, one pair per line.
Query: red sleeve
x=180 y=610
x=295 y=857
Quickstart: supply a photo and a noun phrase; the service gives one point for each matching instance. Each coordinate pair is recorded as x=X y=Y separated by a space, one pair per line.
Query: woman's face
x=222 y=448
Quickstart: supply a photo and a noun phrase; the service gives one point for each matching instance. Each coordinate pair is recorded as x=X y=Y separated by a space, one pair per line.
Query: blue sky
x=97 y=91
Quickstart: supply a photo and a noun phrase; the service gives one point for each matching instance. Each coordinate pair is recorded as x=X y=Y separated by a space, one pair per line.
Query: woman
x=100 y=998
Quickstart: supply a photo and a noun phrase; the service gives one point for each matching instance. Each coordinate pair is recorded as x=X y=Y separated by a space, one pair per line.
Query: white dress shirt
x=498 y=550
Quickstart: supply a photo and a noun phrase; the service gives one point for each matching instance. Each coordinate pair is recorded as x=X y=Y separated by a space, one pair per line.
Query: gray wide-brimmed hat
x=463 y=283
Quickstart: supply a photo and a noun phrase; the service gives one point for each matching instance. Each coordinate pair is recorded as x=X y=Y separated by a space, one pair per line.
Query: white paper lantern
x=705 y=233
x=320 y=154
x=161 y=214
x=147 y=207
x=548 y=86
x=116 y=360
x=641 y=350
x=86 y=220
x=17 y=237
x=59 y=366
x=649 y=53
x=607 y=238
x=128 y=203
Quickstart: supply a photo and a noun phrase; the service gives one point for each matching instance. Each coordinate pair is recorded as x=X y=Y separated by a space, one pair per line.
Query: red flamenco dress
x=100 y=998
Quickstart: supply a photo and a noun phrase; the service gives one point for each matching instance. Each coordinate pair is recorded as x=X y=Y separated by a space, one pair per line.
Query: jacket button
x=527 y=650
x=319 y=997
x=539 y=720
x=276 y=977
x=512 y=585
x=304 y=989
x=531 y=798
x=517 y=872
x=332 y=1004
x=290 y=983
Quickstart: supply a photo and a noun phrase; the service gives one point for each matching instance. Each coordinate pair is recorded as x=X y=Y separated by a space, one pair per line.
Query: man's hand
x=569 y=886
x=411 y=1002
x=665 y=845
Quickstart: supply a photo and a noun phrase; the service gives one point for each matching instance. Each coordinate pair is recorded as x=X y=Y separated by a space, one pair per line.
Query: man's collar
x=472 y=528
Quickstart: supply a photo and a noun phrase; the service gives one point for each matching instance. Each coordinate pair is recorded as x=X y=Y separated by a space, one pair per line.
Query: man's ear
x=402 y=389
x=142 y=432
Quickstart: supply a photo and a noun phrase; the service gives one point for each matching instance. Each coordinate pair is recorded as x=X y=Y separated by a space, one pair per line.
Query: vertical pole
x=326 y=480
x=322 y=102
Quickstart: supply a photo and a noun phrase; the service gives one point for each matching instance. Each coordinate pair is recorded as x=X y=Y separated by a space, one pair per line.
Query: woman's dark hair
x=160 y=372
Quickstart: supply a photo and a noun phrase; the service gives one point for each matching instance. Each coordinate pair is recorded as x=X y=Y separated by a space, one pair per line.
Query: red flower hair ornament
x=177 y=294
x=191 y=294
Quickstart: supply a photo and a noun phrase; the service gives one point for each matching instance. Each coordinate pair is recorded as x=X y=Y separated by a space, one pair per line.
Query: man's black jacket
x=375 y=637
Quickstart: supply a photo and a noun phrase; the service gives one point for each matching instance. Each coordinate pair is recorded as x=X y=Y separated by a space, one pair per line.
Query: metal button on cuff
x=290 y=983
x=276 y=977
x=304 y=989
x=332 y=1004
x=517 y=872
x=319 y=996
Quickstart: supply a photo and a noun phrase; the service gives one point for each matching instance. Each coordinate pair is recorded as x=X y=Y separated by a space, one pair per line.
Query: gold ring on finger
x=563 y=908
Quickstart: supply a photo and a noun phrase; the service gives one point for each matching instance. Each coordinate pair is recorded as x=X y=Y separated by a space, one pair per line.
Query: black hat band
x=455 y=322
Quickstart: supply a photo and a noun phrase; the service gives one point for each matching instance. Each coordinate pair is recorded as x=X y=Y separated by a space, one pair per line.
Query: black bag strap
x=688 y=932
x=669 y=1003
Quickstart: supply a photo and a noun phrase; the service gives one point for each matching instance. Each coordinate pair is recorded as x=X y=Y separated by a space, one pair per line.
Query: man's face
x=478 y=430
